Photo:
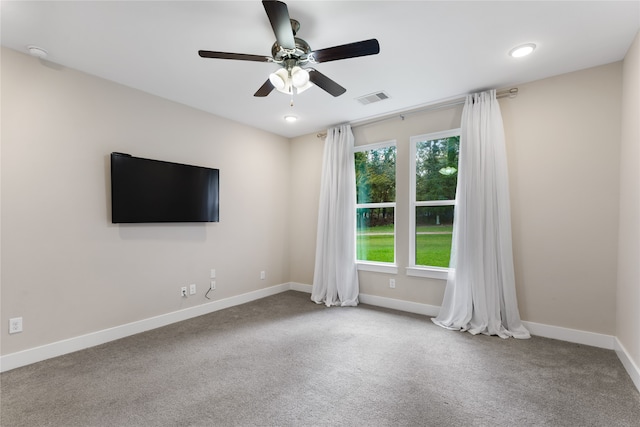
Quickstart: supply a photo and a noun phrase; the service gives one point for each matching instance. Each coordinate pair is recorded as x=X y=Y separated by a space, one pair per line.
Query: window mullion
x=435 y=203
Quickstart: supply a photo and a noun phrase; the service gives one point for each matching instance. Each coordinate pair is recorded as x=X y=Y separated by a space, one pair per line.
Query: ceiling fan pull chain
x=290 y=87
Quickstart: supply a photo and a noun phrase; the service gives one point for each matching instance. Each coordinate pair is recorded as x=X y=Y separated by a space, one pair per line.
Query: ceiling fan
x=294 y=54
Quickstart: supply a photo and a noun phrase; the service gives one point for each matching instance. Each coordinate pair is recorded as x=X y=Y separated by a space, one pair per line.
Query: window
x=375 y=166
x=433 y=181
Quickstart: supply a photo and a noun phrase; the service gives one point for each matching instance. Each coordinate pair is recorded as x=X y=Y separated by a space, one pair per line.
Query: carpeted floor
x=285 y=361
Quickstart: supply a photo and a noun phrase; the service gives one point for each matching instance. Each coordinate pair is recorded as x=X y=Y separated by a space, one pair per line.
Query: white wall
x=65 y=268
x=563 y=138
x=628 y=309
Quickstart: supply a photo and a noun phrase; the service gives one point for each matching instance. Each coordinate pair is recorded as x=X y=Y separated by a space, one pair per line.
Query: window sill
x=430 y=272
x=377 y=267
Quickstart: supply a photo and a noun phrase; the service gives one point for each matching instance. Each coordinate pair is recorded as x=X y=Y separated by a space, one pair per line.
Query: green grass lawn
x=375 y=248
x=421 y=228
x=431 y=249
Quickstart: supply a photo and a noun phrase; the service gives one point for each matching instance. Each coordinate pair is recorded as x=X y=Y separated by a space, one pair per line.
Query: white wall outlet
x=183 y=291
x=15 y=325
x=213 y=284
x=213 y=273
x=263 y=275
x=192 y=289
x=392 y=283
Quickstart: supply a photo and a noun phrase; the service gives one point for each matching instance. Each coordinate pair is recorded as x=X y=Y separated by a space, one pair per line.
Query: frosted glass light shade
x=285 y=82
x=299 y=76
x=279 y=79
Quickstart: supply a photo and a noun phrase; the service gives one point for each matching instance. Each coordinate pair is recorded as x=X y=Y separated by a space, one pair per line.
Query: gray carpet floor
x=285 y=361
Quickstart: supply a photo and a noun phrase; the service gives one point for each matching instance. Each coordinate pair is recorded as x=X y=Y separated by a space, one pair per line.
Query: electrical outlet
x=183 y=291
x=15 y=325
x=392 y=283
x=263 y=275
x=213 y=284
x=192 y=289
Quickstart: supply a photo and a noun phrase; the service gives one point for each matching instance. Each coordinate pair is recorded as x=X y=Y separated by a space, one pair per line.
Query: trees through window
x=375 y=202
x=434 y=177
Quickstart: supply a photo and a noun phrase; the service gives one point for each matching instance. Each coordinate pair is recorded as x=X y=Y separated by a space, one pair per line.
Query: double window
x=433 y=177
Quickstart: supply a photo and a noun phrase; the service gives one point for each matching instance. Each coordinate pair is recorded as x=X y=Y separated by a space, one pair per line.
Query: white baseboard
x=396 y=304
x=571 y=335
x=59 y=348
x=300 y=287
x=632 y=369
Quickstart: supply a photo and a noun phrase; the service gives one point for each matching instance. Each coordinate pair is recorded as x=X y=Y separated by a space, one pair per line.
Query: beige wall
x=563 y=151
x=628 y=309
x=563 y=138
x=65 y=268
x=306 y=170
x=67 y=271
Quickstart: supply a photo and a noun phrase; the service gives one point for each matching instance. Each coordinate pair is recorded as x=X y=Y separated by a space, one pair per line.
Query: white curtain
x=335 y=280
x=480 y=296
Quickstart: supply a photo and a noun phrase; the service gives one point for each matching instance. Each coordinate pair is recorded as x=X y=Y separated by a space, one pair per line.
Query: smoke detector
x=36 y=51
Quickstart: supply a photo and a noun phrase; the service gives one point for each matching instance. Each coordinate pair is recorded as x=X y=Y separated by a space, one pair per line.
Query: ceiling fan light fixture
x=522 y=50
x=279 y=79
x=303 y=88
x=299 y=77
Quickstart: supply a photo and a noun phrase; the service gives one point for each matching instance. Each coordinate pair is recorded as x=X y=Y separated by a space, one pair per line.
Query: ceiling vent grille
x=373 y=97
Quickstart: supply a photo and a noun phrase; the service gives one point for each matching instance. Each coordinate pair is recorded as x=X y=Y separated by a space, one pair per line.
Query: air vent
x=373 y=97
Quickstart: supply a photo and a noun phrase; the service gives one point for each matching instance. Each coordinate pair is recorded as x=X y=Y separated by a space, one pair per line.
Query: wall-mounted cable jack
x=212 y=286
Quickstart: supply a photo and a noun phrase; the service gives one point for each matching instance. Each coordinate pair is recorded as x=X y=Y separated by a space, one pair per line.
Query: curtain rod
x=507 y=93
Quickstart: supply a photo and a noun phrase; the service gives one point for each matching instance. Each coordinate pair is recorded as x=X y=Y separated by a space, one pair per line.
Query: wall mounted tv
x=147 y=191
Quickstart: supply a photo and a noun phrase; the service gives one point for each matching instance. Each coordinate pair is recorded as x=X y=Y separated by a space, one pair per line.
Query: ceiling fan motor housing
x=299 y=53
x=302 y=49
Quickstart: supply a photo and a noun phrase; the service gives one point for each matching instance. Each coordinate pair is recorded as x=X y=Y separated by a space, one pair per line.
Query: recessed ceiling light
x=290 y=119
x=522 y=50
x=36 y=51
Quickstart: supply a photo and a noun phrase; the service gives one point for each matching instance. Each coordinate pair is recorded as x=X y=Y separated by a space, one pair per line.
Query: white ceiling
x=429 y=50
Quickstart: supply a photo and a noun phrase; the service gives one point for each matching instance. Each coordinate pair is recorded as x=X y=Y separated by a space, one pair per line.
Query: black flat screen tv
x=148 y=191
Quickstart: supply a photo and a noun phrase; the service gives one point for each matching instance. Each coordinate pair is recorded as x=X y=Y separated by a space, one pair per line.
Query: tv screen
x=145 y=190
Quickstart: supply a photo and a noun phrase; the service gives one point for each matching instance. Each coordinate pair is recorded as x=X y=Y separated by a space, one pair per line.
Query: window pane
x=434 y=227
x=437 y=169
x=376 y=175
x=375 y=234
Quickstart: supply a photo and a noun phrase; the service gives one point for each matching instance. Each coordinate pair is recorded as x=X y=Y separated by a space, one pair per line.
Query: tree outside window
x=375 y=204
x=434 y=173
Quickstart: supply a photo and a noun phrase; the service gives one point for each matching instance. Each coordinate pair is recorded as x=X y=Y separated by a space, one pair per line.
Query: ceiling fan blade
x=351 y=50
x=265 y=89
x=325 y=83
x=239 y=56
x=278 y=14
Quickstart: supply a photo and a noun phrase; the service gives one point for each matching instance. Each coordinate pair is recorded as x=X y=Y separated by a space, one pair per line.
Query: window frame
x=422 y=270
x=379 y=266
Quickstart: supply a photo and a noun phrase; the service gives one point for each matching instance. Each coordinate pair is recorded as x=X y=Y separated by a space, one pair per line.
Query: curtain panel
x=480 y=296
x=335 y=279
